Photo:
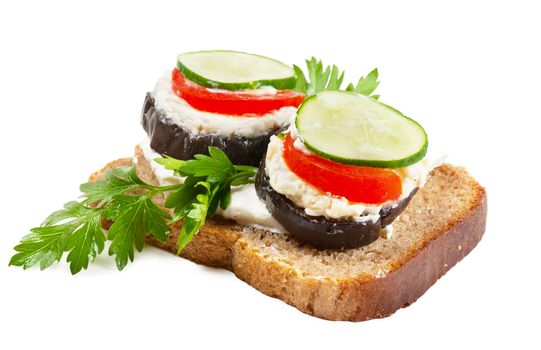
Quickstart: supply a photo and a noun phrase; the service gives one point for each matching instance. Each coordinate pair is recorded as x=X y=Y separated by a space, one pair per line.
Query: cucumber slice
x=232 y=70
x=354 y=129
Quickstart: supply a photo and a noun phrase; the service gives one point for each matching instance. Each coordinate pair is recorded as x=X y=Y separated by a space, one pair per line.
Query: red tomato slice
x=356 y=183
x=234 y=103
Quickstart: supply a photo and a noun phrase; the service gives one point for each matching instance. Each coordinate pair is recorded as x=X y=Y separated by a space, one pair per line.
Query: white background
x=72 y=82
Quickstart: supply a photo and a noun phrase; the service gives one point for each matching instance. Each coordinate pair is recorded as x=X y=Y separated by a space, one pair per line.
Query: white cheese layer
x=246 y=208
x=178 y=111
x=318 y=203
x=165 y=177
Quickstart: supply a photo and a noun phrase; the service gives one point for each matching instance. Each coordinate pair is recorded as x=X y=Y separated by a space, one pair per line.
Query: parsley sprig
x=123 y=198
x=207 y=186
x=366 y=85
x=321 y=77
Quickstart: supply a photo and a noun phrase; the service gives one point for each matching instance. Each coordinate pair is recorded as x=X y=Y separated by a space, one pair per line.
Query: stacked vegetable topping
x=231 y=100
x=335 y=179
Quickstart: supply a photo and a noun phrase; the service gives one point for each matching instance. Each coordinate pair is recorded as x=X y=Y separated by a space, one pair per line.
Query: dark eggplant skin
x=319 y=231
x=168 y=138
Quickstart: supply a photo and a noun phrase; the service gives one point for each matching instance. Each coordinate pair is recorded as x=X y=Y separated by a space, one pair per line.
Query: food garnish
x=122 y=197
x=322 y=78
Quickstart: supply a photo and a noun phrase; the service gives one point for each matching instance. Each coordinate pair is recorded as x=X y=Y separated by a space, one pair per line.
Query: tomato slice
x=234 y=103
x=356 y=183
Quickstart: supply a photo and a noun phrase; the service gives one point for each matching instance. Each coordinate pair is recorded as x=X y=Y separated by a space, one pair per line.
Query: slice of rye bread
x=443 y=223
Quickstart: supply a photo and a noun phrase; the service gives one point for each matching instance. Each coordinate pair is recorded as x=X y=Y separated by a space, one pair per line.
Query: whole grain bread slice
x=443 y=223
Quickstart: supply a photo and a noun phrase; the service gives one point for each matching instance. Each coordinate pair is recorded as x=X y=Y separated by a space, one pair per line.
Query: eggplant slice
x=168 y=138
x=319 y=231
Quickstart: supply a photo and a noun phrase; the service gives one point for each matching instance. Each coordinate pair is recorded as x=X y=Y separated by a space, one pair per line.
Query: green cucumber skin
x=393 y=164
x=278 y=84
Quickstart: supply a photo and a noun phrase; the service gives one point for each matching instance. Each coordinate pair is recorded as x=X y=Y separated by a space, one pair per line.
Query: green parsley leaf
x=170 y=163
x=366 y=86
x=225 y=198
x=182 y=199
x=85 y=244
x=43 y=245
x=134 y=217
x=215 y=168
x=117 y=181
x=197 y=214
x=122 y=197
x=328 y=78
x=206 y=188
x=75 y=229
x=219 y=198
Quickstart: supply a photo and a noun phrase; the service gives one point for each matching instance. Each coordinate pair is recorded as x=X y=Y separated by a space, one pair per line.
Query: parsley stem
x=245 y=168
x=243 y=174
x=156 y=190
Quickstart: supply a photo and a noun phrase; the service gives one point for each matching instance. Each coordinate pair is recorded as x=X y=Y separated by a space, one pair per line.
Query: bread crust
x=222 y=243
